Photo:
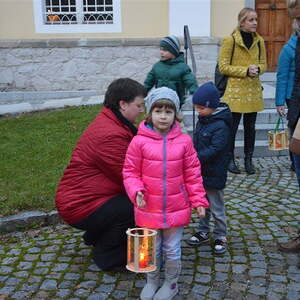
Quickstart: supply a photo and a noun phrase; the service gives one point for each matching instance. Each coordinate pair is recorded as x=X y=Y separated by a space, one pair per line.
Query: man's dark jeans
x=106 y=230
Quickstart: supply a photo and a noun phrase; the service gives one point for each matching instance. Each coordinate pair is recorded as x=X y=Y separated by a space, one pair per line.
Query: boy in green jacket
x=171 y=71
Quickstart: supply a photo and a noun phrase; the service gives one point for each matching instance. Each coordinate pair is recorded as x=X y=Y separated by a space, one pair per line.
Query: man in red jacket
x=91 y=195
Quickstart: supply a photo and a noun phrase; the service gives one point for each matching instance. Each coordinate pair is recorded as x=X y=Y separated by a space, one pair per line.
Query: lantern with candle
x=141 y=250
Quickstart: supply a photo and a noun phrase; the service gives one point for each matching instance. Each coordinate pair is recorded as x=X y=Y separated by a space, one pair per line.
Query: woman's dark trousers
x=291 y=129
x=106 y=230
x=249 y=120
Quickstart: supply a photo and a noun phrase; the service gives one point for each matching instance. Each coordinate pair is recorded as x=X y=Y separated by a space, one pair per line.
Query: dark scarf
x=294 y=104
x=132 y=128
x=247 y=38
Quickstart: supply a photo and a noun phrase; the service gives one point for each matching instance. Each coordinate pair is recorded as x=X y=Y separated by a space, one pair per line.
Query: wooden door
x=274 y=25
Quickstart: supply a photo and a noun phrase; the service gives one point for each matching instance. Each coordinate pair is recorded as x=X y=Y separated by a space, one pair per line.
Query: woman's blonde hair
x=160 y=104
x=242 y=16
x=291 y=4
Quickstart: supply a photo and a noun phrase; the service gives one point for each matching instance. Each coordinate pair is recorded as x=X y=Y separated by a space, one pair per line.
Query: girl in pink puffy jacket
x=162 y=178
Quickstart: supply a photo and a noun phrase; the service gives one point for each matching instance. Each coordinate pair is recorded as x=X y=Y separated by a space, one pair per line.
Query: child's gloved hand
x=140 y=199
x=200 y=211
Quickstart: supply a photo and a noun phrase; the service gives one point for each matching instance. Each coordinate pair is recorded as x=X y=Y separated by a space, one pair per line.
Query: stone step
x=261 y=141
x=268 y=77
x=261 y=147
x=41 y=104
x=34 y=96
x=268 y=103
x=260 y=150
x=261 y=131
x=267 y=116
x=266 y=120
x=268 y=94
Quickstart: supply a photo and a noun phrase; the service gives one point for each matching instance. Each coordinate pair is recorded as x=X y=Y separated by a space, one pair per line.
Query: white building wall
x=194 y=13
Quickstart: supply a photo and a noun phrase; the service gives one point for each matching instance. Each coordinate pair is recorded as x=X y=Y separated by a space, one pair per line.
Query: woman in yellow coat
x=243 y=58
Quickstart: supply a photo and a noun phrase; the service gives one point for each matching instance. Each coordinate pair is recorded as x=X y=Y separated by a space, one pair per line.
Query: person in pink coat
x=162 y=178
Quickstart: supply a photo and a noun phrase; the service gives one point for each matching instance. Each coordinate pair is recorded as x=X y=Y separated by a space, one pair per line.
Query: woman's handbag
x=295 y=140
x=221 y=79
x=278 y=138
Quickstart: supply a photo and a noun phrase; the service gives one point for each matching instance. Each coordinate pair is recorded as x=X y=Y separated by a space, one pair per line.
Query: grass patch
x=35 y=148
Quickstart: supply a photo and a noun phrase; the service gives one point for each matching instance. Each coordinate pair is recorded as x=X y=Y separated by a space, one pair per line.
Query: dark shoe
x=119 y=269
x=198 y=238
x=291 y=246
x=232 y=167
x=249 y=166
x=220 y=246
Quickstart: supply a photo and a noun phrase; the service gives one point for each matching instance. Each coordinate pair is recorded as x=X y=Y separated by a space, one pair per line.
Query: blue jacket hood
x=291 y=43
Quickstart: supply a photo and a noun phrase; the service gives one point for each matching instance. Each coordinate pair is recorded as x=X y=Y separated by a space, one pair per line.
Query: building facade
x=55 y=45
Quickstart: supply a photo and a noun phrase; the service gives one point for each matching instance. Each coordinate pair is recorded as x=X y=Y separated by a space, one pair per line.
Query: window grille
x=60 y=12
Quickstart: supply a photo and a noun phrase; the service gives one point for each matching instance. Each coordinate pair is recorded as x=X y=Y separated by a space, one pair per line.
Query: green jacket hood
x=176 y=60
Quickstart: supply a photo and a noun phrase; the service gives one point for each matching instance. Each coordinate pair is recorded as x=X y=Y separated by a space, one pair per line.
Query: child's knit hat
x=207 y=95
x=171 y=44
x=159 y=94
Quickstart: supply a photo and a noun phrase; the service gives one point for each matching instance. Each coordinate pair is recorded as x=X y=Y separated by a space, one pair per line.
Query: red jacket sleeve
x=110 y=155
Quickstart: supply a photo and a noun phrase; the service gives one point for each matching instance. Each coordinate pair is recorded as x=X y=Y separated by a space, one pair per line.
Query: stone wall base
x=87 y=64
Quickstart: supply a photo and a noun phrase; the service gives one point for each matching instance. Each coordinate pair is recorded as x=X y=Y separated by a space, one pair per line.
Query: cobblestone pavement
x=263 y=209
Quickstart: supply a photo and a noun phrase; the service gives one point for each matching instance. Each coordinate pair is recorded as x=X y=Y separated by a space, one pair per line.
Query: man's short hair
x=125 y=89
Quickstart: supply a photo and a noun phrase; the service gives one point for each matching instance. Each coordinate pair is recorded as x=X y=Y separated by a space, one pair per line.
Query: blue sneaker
x=220 y=246
x=198 y=238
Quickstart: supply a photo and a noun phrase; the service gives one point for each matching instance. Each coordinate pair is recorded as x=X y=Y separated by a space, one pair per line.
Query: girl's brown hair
x=242 y=16
x=160 y=104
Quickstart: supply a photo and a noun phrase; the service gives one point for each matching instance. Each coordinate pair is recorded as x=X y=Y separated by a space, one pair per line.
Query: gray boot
x=152 y=284
x=169 y=288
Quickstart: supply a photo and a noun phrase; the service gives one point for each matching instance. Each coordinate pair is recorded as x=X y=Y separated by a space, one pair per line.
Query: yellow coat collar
x=239 y=40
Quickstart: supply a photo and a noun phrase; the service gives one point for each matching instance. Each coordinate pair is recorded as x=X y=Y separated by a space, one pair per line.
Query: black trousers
x=291 y=129
x=249 y=120
x=106 y=230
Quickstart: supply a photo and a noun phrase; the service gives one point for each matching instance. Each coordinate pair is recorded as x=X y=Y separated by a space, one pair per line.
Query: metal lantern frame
x=141 y=250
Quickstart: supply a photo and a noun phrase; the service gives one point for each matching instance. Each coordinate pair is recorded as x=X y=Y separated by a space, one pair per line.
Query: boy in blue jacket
x=211 y=141
x=171 y=71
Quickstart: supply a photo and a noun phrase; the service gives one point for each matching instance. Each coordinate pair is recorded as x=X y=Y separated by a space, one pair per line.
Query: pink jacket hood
x=167 y=170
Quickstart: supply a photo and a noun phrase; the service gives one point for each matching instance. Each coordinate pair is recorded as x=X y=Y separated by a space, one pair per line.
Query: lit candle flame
x=143 y=263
